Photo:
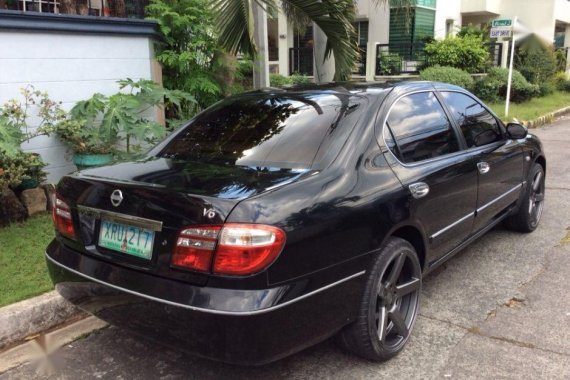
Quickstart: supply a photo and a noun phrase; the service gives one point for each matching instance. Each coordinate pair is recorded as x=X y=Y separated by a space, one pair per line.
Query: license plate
x=127 y=239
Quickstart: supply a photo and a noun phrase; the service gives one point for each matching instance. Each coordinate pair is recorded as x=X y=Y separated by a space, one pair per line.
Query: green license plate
x=131 y=240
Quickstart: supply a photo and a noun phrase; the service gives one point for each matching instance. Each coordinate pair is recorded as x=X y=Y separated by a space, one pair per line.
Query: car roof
x=358 y=88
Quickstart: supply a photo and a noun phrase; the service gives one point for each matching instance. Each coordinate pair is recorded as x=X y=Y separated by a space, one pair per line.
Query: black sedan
x=278 y=218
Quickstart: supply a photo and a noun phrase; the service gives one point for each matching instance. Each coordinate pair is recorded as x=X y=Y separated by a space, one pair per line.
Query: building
x=382 y=31
x=72 y=57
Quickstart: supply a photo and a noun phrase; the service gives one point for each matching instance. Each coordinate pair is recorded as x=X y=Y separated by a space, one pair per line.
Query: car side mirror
x=516 y=131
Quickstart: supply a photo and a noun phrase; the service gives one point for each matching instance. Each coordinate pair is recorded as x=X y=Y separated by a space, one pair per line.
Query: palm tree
x=235 y=20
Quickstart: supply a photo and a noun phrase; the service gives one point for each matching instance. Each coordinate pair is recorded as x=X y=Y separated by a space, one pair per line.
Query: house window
x=362 y=32
x=361 y=28
x=411 y=26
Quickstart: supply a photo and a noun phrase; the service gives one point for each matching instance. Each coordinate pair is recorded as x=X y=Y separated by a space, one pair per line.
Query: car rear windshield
x=270 y=130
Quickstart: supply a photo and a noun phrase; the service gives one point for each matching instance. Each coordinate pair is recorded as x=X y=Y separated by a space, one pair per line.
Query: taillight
x=195 y=247
x=233 y=249
x=62 y=220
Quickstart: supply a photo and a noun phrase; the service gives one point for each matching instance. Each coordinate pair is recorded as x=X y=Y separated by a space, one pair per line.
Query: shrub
x=297 y=78
x=20 y=167
x=278 y=80
x=494 y=86
x=560 y=79
x=389 y=64
x=15 y=114
x=467 y=53
x=188 y=52
x=560 y=56
x=447 y=74
x=98 y=124
x=546 y=88
x=535 y=60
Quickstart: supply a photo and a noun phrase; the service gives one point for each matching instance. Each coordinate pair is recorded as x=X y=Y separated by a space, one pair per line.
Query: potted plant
x=98 y=127
x=91 y=145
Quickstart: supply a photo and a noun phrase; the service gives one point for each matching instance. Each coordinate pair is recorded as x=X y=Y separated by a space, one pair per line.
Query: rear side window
x=288 y=131
x=418 y=129
x=477 y=124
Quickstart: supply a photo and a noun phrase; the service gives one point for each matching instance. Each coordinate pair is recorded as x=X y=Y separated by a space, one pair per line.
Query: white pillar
x=261 y=62
x=323 y=70
x=371 y=60
x=283 y=44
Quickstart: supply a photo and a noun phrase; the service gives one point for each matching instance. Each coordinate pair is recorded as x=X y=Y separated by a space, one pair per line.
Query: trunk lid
x=158 y=195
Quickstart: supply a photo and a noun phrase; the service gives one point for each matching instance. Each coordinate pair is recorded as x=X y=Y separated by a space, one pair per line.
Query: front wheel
x=389 y=306
x=530 y=210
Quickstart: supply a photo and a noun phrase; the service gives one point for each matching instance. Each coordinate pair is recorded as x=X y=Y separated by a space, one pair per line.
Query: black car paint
x=336 y=219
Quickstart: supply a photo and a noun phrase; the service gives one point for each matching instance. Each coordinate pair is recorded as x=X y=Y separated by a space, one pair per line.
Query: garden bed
x=23 y=272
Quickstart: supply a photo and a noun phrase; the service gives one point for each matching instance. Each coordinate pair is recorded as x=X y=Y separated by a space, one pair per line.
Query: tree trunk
x=224 y=69
x=261 y=61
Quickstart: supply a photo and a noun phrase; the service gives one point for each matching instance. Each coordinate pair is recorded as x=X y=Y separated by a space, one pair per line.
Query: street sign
x=502 y=28
x=502 y=22
x=501 y=31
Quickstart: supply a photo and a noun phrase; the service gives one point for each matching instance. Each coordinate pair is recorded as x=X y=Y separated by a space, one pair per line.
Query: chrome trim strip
x=500 y=197
x=452 y=225
x=478 y=210
x=210 y=311
x=136 y=221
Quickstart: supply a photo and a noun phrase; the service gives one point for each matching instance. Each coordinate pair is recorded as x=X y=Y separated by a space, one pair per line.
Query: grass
x=23 y=272
x=534 y=108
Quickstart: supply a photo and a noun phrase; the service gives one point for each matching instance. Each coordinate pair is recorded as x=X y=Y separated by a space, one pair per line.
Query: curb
x=23 y=320
x=546 y=119
x=39 y=348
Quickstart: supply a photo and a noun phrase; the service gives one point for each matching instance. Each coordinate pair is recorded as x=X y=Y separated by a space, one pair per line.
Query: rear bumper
x=250 y=327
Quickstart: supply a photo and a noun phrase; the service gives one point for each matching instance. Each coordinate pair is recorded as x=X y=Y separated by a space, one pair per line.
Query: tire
x=530 y=210
x=395 y=303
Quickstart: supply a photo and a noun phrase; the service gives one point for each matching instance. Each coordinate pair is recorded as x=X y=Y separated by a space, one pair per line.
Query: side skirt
x=461 y=246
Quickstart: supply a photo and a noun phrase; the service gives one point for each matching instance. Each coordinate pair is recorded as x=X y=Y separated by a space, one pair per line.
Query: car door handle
x=419 y=189
x=483 y=167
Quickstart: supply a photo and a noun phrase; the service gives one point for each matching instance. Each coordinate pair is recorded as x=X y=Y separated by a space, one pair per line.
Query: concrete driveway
x=499 y=309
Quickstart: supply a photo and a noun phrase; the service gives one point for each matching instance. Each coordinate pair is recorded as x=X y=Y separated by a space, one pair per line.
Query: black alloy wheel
x=390 y=304
x=536 y=198
x=532 y=203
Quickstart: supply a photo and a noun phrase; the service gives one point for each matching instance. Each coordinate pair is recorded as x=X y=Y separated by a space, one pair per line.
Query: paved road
x=500 y=309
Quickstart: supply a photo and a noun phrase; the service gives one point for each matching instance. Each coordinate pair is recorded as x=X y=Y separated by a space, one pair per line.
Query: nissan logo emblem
x=116 y=198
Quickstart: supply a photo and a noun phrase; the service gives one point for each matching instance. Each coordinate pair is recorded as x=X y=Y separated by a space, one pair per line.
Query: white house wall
x=70 y=67
x=446 y=10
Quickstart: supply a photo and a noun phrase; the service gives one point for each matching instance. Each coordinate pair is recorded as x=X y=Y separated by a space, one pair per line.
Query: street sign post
x=508 y=28
x=508 y=99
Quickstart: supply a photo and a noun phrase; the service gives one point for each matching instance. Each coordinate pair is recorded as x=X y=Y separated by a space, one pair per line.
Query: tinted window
x=268 y=130
x=418 y=129
x=478 y=126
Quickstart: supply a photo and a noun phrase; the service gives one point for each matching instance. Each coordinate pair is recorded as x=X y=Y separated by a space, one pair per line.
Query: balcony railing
x=395 y=59
x=100 y=8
